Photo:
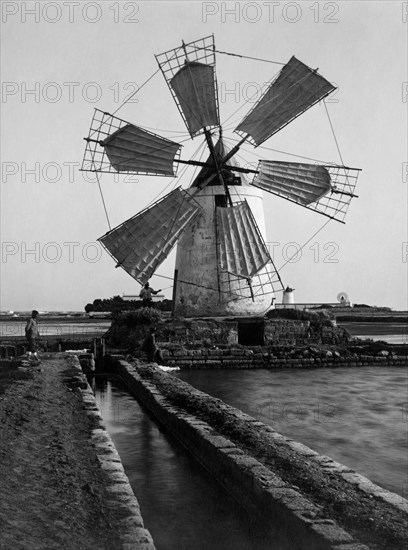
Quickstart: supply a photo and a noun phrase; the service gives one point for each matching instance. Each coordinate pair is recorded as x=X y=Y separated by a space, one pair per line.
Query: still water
x=393 y=333
x=64 y=329
x=358 y=416
x=182 y=506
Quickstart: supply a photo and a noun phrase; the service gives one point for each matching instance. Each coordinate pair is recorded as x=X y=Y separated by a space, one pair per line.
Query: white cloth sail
x=242 y=250
x=133 y=149
x=194 y=86
x=296 y=88
x=142 y=243
x=299 y=182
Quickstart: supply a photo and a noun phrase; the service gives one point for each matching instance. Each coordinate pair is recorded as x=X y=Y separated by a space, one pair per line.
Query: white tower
x=203 y=286
x=288 y=299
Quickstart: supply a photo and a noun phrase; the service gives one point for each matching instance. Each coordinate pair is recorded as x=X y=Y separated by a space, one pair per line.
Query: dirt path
x=51 y=484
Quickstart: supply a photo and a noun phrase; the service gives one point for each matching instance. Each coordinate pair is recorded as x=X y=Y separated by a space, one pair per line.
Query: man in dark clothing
x=146 y=295
x=151 y=348
x=31 y=331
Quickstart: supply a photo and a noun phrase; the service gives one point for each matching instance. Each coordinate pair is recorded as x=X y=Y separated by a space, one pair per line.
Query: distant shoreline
x=344 y=318
x=56 y=319
x=375 y=328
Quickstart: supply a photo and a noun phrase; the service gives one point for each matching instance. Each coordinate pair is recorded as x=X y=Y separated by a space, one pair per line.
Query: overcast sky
x=60 y=60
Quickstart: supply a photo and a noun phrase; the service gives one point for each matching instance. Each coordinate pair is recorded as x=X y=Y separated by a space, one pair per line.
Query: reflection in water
x=357 y=416
x=182 y=506
x=63 y=328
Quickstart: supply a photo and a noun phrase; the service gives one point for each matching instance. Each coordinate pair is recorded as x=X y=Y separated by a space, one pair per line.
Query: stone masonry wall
x=284 y=331
x=242 y=358
x=207 y=332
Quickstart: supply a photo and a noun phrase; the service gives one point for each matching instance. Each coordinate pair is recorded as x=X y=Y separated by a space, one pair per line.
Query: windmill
x=223 y=266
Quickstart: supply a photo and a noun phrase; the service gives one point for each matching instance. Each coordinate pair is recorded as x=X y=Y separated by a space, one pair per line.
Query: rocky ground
x=52 y=486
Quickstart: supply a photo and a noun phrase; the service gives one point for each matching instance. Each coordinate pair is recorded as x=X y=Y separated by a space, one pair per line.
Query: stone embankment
x=127 y=330
x=316 y=502
x=258 y=357
x=252 y=343
x=63 y=484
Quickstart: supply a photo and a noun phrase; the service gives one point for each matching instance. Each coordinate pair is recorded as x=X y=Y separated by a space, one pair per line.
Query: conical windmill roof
x=221 y=150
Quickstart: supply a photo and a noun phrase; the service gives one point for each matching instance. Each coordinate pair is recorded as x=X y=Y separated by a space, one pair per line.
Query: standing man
x=146 y=295
x=31 y=332
x=151 y=348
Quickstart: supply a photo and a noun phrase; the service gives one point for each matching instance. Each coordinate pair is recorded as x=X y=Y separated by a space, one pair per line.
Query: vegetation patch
x=117 y=304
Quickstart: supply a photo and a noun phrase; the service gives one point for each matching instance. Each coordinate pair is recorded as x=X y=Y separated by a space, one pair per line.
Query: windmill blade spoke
x=143 y=242
x=114 y=145
x=190 y=74
x=296 y=88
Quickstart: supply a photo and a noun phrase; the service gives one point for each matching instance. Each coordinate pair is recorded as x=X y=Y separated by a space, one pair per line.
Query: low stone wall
x=227 y=331
x=121 y=498
x=242 y=358
x=259 y=489
x=285 y=331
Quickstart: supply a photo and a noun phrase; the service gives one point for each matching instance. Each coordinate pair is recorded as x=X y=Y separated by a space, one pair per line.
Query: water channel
x=182 y=506
x=356 y=416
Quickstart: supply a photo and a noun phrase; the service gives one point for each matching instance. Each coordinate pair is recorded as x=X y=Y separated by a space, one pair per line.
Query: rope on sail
x=337 y=144
x=334 y=135
x=103 y=200
x=253 y=96
x=242 y=56
x=136 y=91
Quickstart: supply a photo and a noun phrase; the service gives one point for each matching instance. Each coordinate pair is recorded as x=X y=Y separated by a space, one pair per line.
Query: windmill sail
x=132 y=149
x=298 y=182
x=296 y=89
x=194 y=86
x=326 y=189
x=190 y=74
x=142 y=243
x=114 y=145
x=242 y=250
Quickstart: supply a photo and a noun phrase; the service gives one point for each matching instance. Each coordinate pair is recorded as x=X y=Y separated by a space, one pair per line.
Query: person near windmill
x=151 y=348
x=31 y=332
x=146 y=295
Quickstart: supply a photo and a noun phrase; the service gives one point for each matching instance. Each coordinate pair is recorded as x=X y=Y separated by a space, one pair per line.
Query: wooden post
x=173 y=305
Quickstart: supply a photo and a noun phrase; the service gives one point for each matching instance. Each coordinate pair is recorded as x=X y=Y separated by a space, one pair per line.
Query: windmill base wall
x=172 y=335
x=200 y=288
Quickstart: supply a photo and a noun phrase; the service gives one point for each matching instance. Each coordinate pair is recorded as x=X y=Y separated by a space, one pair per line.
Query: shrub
x=290 y=313
x=318 y=319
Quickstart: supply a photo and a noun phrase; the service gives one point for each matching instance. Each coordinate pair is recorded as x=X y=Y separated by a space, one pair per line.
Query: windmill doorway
x=251 y=332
